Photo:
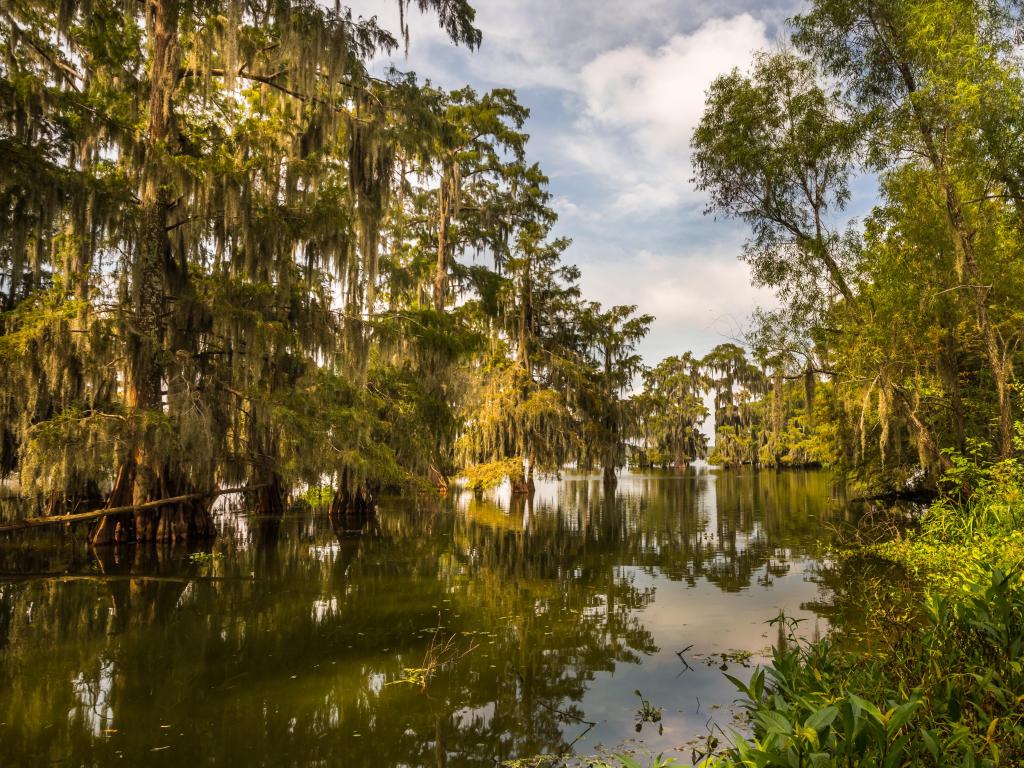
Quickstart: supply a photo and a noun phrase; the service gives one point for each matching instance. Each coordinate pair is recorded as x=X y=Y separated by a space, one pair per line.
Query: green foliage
x=913 y=316
x=669 y=412
x=942 y=687
x=945 y=693
x=318 y=497
x=773 y=150
x=250 y=261
x=978 y=523
x=493 y=473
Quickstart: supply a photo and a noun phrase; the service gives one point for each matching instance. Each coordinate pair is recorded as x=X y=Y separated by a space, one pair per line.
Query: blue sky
x=615 y=89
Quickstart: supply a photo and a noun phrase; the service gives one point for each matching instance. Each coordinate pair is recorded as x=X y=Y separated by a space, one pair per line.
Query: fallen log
x=96 y=514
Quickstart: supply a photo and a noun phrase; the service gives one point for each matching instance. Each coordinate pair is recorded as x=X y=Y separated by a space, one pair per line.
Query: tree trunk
x=152 y=253
x=269 y=501
x=443 y=225
x=144 y=476
x=810 y=385
x=932 y=459
x=520 y=485
x=115 y=529
x=351 y=509
x=609 y=476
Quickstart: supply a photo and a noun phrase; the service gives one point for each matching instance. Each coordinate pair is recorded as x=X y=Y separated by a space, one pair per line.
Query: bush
x=949 y=694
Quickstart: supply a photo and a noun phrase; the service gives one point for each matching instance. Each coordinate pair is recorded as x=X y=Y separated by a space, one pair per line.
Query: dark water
x=287 y=645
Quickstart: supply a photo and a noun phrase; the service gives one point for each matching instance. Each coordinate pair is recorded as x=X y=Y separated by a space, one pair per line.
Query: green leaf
x=822 y=718
x=900 y=716
x=930 y=743
x=863 y=705
x=774 y=722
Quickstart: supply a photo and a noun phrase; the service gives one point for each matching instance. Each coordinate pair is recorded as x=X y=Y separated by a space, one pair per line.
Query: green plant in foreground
x=946 y=694
x=979 y=523
x=660 y=761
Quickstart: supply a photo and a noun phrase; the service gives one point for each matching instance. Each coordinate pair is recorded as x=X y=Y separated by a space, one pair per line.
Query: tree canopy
x=904 y=327
x=237 y=256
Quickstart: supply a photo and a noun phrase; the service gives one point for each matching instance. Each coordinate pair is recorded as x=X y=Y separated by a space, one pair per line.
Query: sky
x=615 y=90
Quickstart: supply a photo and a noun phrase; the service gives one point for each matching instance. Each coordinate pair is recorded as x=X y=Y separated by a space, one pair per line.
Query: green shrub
x=950 y=693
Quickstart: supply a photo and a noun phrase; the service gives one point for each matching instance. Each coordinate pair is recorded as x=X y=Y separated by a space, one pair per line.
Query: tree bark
x=269 y=501
x=352 y=508
x=145 y=476
x=521 y=486
x=444 y=219
x=609 y=477
x=933 y=460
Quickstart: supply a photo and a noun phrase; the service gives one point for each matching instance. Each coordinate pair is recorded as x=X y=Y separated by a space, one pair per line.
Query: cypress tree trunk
x=521 y=484
x=444 y=222
x=352 y=508
x=145 y=477
x=111 y=530
x=269 y=500
x=609 y=476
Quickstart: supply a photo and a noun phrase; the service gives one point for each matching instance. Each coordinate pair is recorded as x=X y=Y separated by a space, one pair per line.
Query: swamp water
x=289 y=645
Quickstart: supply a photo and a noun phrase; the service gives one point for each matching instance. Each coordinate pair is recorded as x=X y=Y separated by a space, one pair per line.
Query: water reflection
x=287 y=644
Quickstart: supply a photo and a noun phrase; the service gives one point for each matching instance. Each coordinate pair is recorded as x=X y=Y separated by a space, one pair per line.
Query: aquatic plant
x=648 y=713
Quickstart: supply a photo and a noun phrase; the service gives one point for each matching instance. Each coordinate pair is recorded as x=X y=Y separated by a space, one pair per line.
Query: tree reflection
x=287 y=645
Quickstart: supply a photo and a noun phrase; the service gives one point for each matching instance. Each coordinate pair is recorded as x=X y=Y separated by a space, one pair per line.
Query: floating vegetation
x=441 y=653
x=648 y=713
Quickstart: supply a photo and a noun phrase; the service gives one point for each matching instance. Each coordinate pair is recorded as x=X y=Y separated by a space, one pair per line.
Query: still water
x=289 y=645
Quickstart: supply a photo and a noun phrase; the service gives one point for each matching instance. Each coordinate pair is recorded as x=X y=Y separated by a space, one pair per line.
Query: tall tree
x=249 y=153
x=917 y=71
x=610 y=337
x=774 y=150
x=672 y=411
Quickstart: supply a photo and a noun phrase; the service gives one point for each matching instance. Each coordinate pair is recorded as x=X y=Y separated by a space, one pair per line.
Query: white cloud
x=616 y=90
x=699 y=297
x=651 y=100
x=633 y=76
x=661 y=93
